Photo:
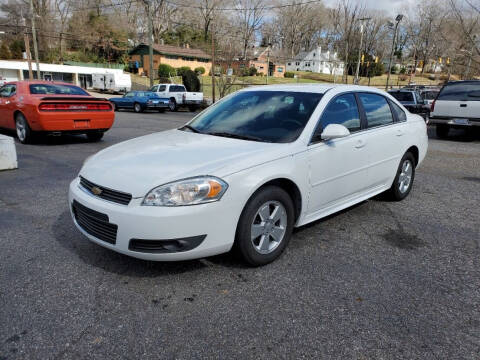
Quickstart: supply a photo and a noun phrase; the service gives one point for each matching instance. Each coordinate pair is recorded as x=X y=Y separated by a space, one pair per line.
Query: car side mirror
x=334 y=131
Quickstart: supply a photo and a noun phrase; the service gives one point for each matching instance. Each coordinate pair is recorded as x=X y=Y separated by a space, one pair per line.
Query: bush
x=190 y=80
x=200 y=70
x=165 y=70
x=289 y=74
x=252 y=71
x=182 y=70
x=403 y=70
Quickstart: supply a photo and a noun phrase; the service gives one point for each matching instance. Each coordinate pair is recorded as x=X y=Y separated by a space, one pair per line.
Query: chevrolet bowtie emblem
x=96 y=190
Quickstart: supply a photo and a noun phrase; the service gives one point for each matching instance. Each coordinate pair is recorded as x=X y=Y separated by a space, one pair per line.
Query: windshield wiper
x=237 y=136
x=191 y=128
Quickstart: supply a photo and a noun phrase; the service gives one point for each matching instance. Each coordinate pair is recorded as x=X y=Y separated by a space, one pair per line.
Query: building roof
x=171 y=50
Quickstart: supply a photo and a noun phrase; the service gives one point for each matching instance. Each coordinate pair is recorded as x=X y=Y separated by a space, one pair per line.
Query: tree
x=165 y=71
x=249 y=17
x=190 y=80
x=5 y=52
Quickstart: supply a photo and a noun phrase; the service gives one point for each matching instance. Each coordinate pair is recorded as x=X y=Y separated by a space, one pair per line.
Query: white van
x=456 y=106
x=112 y=82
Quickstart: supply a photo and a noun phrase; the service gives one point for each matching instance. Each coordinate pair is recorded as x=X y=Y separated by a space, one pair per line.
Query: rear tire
x=442 y=131
x=265 y=226
x=137 y=108
x=161 y=110
x=403 y=182
x=94 y=136
x=24 y=132
x=192 y=108
x=115 y=107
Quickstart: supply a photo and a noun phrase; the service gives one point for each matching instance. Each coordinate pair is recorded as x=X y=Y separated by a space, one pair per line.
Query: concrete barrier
x=8 y=153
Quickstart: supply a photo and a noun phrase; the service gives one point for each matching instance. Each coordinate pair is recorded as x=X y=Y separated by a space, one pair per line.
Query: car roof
x=311 y=88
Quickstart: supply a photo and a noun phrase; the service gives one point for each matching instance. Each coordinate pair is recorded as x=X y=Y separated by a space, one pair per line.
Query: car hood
x=138 y=165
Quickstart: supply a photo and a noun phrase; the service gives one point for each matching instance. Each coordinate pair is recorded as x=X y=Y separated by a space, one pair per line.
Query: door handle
x=399 y=132
x=360 y=143
x=463 y=105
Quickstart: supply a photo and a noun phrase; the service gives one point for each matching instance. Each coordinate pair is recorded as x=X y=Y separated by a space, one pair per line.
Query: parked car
x=33 y=107
x=429 y=95
x=412 y=101
x=139 y=101
x=248 y=170
x=178 y=96
x=112 y=82
x=456 y=106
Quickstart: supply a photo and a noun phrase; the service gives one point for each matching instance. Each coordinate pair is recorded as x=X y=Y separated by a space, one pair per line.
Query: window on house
x=289 y=64
x=313 y=54
x=280 y=69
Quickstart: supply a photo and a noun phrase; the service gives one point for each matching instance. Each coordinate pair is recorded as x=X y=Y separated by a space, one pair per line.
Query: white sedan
x=246 y=171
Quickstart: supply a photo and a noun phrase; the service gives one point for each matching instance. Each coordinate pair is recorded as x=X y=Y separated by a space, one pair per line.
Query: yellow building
x=175 y=56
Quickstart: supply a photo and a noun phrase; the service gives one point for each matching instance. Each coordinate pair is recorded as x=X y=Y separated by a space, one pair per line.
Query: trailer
x=112 y=82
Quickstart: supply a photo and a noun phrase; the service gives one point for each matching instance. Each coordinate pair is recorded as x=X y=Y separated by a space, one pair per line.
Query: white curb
x=8 y=153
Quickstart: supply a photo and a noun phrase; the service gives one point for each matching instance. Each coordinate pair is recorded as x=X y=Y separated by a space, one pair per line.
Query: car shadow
x=51 y=140
x=458 y=135
x=66 y=234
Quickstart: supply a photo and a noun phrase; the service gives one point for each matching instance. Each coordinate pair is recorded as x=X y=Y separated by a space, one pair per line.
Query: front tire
x=24 y=132
x=265 y=226
x=172 y=105
x=403 y=182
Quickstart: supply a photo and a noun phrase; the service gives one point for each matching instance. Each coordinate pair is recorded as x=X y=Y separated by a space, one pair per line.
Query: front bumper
x=455 y=122
x=157 y=106
x=215 y=223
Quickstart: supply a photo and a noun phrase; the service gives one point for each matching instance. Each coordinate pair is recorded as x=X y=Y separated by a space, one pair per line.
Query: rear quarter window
x=403 y=96
x=460 y=92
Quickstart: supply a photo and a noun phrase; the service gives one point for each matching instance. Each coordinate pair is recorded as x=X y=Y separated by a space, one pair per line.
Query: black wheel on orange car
x=115 y=107
x=137 y=108
x=94 y=136
x=24 y=132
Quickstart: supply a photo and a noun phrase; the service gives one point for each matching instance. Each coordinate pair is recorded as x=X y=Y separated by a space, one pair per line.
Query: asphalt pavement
x=381 y=280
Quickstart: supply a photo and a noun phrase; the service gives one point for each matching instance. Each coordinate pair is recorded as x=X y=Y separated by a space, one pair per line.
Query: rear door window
x=460 y=92
x=401 y=116
x=162 y=88
x=377 y=109
x=177 y=88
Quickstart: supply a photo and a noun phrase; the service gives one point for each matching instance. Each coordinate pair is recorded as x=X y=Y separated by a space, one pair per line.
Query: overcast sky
x=391 y=7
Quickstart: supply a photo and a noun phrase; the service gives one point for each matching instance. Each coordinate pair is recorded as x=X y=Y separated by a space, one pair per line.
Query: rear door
x=385 y=135
x=459 y=101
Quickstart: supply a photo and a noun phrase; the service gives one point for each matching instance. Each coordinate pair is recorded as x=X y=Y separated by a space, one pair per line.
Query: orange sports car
x=33 y=107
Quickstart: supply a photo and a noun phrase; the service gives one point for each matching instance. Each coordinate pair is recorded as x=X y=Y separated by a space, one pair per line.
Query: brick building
x=175 y=56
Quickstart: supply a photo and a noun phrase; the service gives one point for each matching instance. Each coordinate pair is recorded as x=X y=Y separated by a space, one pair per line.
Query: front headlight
x=198 y=190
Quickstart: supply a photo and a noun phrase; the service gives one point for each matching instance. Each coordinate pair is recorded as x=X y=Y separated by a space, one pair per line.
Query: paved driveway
x=380 y=280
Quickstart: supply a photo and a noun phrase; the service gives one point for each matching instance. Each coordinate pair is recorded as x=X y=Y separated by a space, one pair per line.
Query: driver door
x=338 y=167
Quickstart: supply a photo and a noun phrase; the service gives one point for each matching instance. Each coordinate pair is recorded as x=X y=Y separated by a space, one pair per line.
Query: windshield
x=403 y=97
x=55 y=89
x=272 y=116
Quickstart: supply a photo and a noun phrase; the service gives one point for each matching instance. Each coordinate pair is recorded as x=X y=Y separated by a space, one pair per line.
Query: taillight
x=74 y=107
x=432 y=107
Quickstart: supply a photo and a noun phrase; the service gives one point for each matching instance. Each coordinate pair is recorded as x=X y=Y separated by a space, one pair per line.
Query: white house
x=317 y=61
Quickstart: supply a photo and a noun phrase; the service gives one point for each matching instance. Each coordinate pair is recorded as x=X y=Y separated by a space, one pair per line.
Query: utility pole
x=26 y=39
x=360 y=50
x=150 y=40
x=213 y=63
x=268 y=62
x=467 y=71
x=397 y=19
x=34 y=35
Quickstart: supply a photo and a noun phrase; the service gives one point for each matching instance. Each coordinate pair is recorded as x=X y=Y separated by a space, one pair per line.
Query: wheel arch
x=414 y=151
x=290 y=187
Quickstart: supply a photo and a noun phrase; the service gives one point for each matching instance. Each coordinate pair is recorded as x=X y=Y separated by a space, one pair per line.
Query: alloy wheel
x=269 y=227
x=405 y=178
x=21 y=128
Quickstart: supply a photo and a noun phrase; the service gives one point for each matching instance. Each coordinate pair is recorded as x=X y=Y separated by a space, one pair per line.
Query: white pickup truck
x=178 y=96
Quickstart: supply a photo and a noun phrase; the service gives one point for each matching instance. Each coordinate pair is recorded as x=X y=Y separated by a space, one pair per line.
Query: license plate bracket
x=81 y=123
x=460 y=121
